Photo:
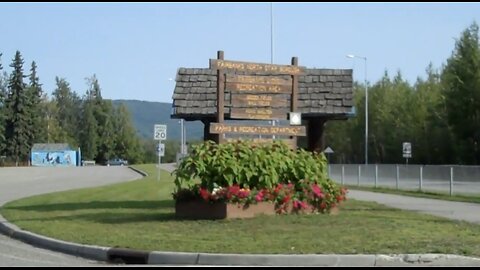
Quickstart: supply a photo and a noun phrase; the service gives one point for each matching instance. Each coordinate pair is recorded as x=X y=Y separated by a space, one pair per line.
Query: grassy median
x=140 y=215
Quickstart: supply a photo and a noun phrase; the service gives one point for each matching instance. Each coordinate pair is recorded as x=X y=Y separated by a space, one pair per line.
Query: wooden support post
x=220 y=97
x=207 y=136
x=294 y=99
x=315 y=134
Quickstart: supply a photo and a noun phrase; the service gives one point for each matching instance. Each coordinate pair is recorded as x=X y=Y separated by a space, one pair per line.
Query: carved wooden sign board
x=262 y=92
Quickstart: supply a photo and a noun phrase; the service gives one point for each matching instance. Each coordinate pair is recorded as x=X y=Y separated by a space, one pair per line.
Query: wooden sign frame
x=253 y=97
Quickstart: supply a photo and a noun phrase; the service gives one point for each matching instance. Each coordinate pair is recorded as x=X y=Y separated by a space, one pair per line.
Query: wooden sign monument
x=261 y=92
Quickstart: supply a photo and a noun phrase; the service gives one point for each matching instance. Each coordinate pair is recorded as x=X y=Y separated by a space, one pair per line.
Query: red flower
x=286 y=199
x=296 y=204
x=323 y=205
x=243 y=193
x=204 y=194
x=278 y=188
x=233 y=191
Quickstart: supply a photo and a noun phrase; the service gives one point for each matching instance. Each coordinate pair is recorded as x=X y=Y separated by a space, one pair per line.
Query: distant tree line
x=28 y=116
x=439 y=115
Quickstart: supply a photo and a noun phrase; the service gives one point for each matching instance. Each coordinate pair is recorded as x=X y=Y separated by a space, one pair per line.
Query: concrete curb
x=181 y=258
x=286 y=260
x=138 y=171
x=119 y=255
x=426 y=260
x=86 y=251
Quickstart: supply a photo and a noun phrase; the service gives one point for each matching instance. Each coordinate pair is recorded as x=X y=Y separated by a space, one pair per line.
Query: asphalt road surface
x=16 y=183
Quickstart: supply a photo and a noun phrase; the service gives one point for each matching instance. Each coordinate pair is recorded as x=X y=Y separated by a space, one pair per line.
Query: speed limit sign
x=160 y=132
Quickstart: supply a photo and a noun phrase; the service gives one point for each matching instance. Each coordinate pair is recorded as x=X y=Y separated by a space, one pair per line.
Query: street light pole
x=271 y=33
x=184 y=138
x=182 y=142
x=271 y=48
x=366 y=105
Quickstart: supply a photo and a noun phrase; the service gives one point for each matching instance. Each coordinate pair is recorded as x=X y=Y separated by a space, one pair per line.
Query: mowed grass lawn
x=140 y=215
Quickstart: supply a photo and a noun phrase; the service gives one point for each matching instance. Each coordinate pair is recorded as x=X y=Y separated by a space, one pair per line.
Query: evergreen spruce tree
x=36 y=122
x=18 y=130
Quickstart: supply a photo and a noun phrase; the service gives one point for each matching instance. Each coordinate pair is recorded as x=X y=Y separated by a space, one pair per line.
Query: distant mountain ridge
x=145 y=114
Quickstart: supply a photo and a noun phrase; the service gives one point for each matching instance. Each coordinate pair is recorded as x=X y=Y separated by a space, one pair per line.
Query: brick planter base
x=204 y=210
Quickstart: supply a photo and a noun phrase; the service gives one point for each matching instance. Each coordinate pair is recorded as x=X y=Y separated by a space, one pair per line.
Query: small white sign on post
x=160 y=132
x=161 y=150
x=407 y=150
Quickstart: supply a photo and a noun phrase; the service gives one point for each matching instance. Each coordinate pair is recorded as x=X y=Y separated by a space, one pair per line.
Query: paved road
x=22 y=182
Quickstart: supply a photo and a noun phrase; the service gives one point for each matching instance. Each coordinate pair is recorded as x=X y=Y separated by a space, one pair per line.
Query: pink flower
x=299 y=204
x=259 y=196
x=303 y=205
x=317 y=191
x=296 y=204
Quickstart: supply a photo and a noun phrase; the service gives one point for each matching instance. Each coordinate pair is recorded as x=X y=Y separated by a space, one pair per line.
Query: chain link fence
x=452 y=179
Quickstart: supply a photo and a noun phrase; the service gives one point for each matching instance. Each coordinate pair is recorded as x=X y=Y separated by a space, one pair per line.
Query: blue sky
x=134 y=48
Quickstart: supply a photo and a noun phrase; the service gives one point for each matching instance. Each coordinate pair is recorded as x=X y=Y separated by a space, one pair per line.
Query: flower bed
x=200 y=209
x=244 y=174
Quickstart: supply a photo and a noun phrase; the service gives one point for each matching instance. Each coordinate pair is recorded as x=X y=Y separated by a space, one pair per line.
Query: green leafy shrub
x=245 y=172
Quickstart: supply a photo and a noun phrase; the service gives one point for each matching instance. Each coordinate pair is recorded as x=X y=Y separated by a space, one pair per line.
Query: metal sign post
x=160 y=133
x=407 y=151
x=161 y=153
x=158 y=170
x=328 y=151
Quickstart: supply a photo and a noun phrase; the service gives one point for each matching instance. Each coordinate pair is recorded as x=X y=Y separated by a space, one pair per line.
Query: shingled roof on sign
x=322 y=92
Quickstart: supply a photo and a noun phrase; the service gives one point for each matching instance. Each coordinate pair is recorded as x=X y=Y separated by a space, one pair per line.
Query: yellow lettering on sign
x=226 y=128
x=257 y=67
x=258 y=88
x=259 y=79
